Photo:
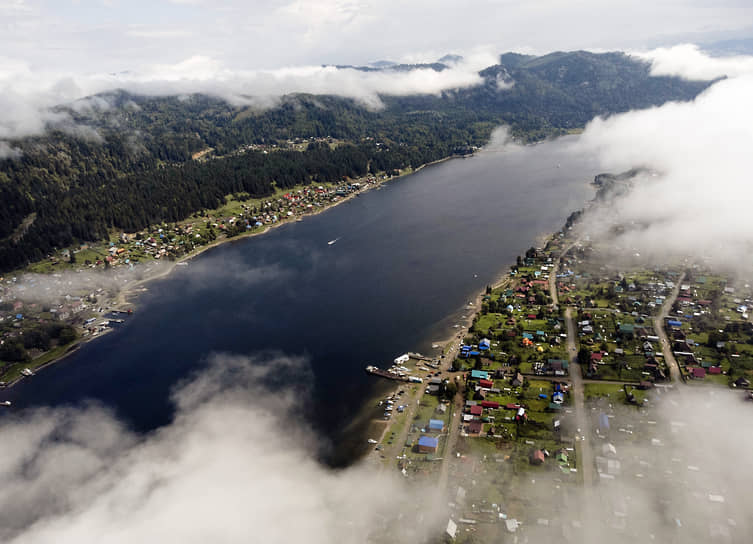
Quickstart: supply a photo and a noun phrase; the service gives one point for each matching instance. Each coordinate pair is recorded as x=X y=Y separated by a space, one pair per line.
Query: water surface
x=408 y=257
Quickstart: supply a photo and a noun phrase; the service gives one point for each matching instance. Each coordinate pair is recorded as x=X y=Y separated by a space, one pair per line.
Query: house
x=489 y=404
x=436 y=425
x=715 y=370
x=486 y=383
x=484 y=344
x=517 y=380
x=427 y=444
x=626 y=330
x=698 y=372
x=537 y=457
x=476 y=410
x=474 y=427
x=479 y=375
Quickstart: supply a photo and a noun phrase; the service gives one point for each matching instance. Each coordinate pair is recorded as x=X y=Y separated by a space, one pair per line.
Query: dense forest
x=139 y=171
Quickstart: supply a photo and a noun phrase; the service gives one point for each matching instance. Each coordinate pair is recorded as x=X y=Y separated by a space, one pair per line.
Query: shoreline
x=129 y=290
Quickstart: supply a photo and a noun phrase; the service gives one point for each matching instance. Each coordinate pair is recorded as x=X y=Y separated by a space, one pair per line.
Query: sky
x=84 y=36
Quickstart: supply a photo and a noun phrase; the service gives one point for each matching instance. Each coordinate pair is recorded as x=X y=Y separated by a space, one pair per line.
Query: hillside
x=65 y=189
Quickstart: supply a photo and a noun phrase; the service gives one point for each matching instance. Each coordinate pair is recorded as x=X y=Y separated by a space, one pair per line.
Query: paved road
x=669 y=357
x=586 y=451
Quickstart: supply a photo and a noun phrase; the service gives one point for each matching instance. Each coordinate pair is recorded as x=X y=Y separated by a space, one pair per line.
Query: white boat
x=27 y=372
x=332 y=241
x=5 y=403
x=372 y=441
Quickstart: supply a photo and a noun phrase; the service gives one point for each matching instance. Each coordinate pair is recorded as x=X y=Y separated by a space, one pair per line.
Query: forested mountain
x=65 y=189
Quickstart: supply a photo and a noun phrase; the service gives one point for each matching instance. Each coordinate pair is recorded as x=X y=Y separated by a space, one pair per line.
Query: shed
x=427 y=444
x=436 y=425
x=537 y=457
x=476 y=410
x=698 y=372
x=489 y=404
x=486 y=383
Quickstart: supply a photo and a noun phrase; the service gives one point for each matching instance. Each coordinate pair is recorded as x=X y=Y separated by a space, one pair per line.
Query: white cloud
x=9 y=152
x=27 y=96
x=689 y=62
x=235 y=466
x=699 y=202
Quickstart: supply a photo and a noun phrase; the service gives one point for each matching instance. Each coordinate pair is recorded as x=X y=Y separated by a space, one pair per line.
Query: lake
x=408 y=258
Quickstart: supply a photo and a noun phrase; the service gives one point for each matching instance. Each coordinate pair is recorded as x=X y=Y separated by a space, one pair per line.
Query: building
x=436 y=425
x=427 y=444
x=484 y=344
x=537 y=457
x=479 y=375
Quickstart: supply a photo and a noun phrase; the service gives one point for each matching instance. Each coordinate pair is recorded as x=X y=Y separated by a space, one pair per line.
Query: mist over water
x=407 y=256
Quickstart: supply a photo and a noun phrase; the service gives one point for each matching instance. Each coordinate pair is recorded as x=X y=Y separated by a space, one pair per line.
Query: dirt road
x=666 y=346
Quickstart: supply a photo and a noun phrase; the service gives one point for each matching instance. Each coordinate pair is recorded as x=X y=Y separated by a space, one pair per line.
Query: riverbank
x=123 y=296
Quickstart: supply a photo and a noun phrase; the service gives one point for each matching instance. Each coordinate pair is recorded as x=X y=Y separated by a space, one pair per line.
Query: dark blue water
x=408 y=257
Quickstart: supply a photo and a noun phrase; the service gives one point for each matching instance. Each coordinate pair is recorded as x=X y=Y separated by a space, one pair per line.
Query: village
x=559 y=384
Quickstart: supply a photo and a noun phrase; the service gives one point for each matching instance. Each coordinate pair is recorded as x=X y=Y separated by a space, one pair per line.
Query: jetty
x=385 y=374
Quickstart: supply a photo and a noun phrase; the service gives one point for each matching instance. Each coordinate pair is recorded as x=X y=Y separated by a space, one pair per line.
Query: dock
x=385 y=374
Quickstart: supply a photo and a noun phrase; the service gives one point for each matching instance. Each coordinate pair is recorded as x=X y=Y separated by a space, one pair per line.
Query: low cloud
x=697 y=201
x=235 y=465
x=9 y=152
x=27 y=97
x=689 y=62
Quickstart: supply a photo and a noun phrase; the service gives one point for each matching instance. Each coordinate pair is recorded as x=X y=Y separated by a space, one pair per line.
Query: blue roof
x=436 y=424
x=674 y=323
x=480 y=374
x=428 y=441
x=603 y=421
x=475 y=353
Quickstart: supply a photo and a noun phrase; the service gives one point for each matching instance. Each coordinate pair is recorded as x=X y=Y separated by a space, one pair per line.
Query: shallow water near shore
x=406 y=261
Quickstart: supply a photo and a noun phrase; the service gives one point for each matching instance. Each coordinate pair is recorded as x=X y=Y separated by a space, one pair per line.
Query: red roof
x=531 y=316
x=474 y=427
x=486 y=383
x=596 y=356
x=512 y=406
x=476 y=410
x=489 y=404
x=698 y=372
x=715 y=370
